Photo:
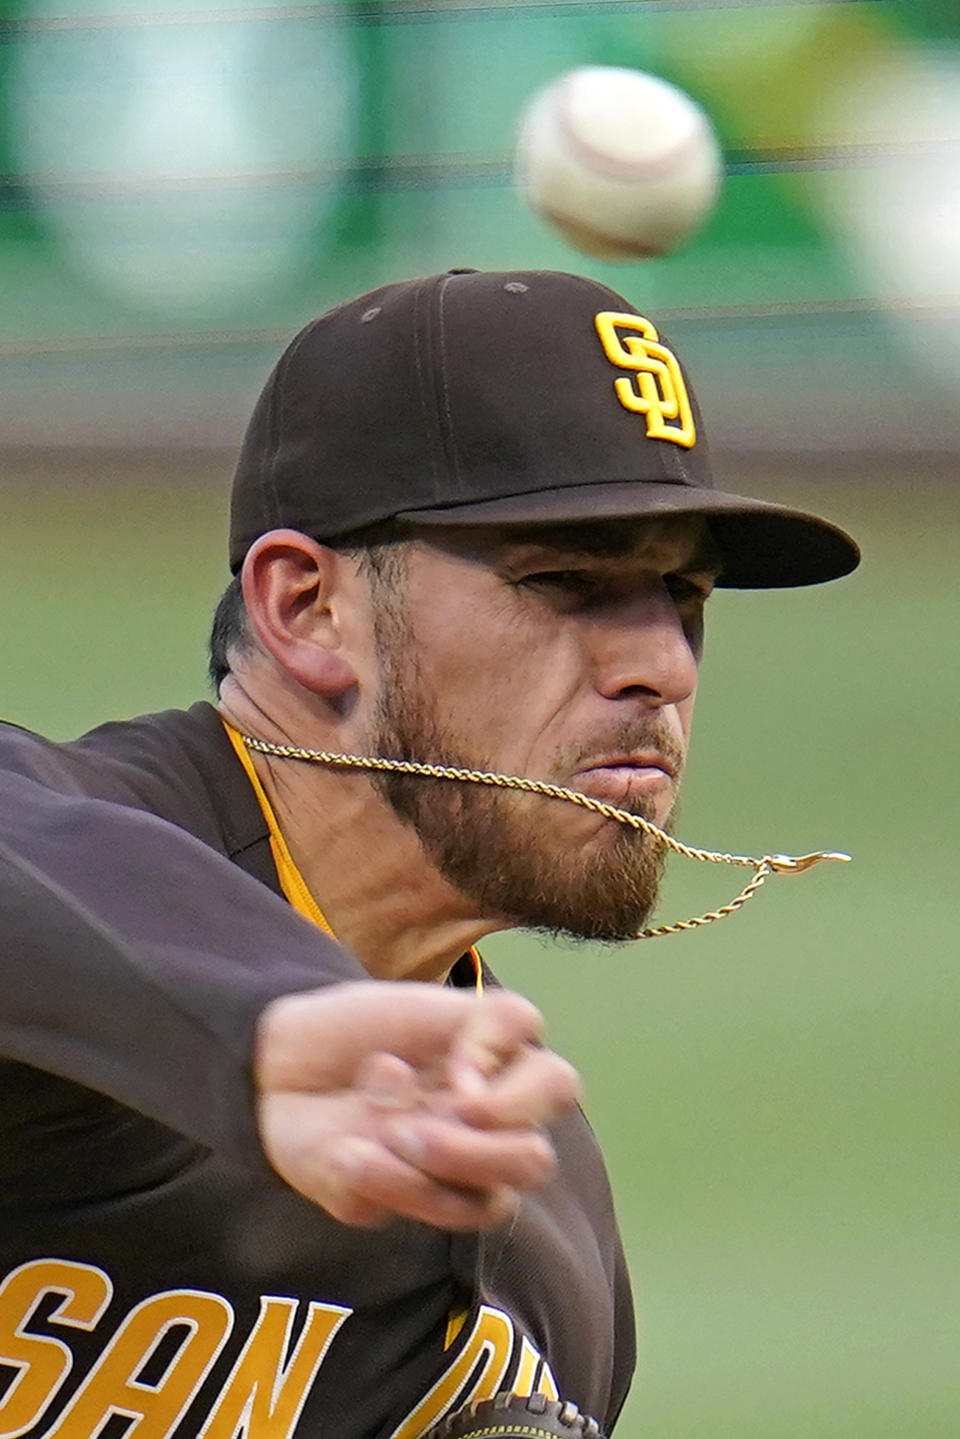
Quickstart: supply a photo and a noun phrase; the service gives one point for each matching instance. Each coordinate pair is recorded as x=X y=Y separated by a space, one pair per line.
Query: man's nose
x=641 y=649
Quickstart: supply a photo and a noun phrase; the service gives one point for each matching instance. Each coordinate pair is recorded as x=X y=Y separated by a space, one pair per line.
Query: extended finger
x=459 y=1155
x=370 y=1175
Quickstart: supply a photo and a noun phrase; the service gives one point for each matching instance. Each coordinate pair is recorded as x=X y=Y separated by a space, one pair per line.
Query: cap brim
x=762 y=545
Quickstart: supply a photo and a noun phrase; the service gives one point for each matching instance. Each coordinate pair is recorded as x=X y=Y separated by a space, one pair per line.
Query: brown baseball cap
x=500 y=397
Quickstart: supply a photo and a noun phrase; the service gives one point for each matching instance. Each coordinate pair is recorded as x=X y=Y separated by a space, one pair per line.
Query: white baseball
x=624 y=164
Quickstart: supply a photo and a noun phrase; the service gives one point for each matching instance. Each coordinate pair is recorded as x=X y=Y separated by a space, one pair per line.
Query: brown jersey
x=154 y=1271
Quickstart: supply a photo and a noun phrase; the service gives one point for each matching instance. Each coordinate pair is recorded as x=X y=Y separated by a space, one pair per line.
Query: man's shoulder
x=34 y=757
x=177 y=764
x=171 y=741
x=96 y=762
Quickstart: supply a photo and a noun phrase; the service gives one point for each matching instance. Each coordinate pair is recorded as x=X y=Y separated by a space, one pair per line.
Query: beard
x=496 y=846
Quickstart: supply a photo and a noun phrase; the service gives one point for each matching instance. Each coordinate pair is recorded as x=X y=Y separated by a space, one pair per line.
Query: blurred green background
x=181 y=189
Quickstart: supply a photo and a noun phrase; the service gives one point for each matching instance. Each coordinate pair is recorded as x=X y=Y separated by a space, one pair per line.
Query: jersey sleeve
x=136 y=961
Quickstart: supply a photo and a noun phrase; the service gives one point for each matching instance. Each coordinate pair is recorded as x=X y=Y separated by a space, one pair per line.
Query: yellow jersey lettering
x=113 y=1386
x=42 y=1361
x=533 y=1374
x=527 y=1369
x=264 y=1394
x=153 y=1368
x=546 y=1383
x=484 y=1357
x=657 y=389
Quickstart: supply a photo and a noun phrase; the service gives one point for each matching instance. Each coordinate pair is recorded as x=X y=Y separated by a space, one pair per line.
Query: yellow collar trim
x=292 y=882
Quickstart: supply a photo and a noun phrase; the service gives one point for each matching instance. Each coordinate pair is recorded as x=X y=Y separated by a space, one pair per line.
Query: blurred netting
x=184 y=184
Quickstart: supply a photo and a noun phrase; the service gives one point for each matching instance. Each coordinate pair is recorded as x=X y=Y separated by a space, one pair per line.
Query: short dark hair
x=378 y=548
x=229 y=633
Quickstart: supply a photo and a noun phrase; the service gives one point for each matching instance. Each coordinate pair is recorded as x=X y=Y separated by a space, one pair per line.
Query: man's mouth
x=620 y=778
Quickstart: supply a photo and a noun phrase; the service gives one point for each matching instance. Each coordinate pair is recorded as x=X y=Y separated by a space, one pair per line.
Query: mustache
x=628 y=737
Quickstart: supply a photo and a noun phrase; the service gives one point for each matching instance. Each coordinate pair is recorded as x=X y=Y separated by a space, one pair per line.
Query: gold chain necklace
x=768 y=864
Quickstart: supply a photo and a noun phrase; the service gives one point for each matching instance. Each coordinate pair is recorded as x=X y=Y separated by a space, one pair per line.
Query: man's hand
x=387 y=1099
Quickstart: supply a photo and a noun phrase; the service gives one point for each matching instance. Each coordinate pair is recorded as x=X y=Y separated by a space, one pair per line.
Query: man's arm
x=137 y=962
x=140 y=964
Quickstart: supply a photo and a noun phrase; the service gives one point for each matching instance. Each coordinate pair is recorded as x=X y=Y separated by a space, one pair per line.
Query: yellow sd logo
x=660 y=392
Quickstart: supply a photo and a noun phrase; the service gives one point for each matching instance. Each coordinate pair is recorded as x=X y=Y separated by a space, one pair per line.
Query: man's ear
x=290 y=591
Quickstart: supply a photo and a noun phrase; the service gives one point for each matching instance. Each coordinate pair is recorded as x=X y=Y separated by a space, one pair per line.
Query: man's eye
x=575 y=582
x=686 y=591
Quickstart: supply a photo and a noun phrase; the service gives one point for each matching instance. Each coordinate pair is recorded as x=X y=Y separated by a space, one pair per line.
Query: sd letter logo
x=657 y=389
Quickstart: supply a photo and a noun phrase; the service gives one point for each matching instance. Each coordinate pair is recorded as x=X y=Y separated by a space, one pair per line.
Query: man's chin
x=601 y=922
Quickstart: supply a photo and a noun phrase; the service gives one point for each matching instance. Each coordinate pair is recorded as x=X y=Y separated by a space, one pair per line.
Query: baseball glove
x=517 y=1416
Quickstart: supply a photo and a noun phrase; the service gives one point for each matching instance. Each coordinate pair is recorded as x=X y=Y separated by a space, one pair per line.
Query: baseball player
x=281 y=1159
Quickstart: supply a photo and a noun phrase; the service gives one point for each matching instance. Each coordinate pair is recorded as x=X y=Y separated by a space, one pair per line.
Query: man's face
x=566 y=655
